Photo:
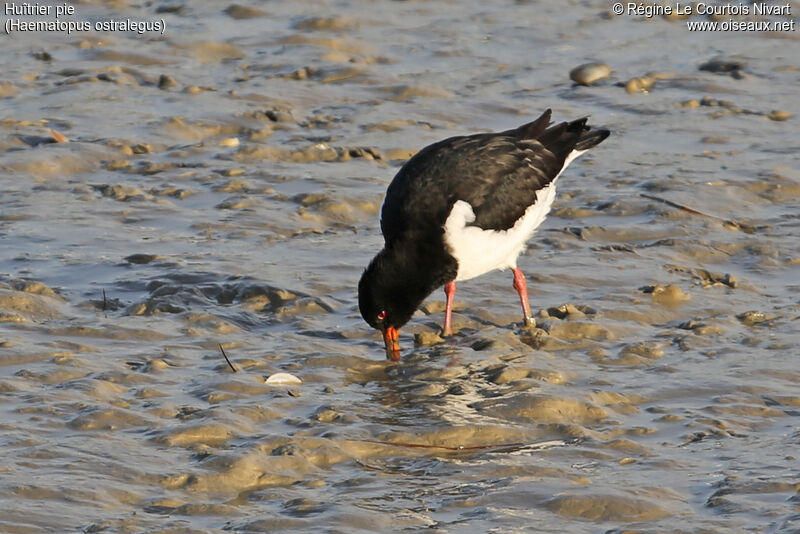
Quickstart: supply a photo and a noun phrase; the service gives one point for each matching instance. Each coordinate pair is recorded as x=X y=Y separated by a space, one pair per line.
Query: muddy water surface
x=220 y=185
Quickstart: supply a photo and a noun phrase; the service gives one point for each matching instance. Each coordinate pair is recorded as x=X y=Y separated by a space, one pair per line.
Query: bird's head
x=384 y=301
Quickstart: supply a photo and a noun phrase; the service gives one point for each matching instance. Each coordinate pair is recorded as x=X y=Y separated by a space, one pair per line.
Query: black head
x=384 y=298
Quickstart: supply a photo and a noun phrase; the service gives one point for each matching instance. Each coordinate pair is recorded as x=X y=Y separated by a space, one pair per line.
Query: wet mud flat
x=163 y=197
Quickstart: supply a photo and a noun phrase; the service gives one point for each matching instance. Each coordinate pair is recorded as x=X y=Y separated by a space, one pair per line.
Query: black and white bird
x=463 y=207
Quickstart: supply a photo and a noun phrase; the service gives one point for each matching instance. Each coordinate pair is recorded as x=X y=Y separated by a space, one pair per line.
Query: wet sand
x=219 y=185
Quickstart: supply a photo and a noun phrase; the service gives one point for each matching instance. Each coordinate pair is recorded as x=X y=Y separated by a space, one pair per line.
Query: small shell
x=589 y=73
x=58 y=136
x=283 y=379
x=229 y=141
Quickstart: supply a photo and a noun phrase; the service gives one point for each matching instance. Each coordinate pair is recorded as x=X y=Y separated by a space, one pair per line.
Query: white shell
x=283 y=379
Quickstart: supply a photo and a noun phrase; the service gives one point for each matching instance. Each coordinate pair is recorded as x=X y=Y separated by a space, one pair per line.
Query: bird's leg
x=450 y=292
x=522 y=288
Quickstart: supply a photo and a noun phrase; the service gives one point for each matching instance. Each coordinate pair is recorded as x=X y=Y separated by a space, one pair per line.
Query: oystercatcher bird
x=463 y=207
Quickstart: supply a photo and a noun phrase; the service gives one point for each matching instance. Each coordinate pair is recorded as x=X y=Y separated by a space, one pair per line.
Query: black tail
x=591 y=137
x=562 y=138
x=532 y=130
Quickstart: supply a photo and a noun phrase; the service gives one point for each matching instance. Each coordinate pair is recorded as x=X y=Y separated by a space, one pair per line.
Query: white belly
x=479 y=251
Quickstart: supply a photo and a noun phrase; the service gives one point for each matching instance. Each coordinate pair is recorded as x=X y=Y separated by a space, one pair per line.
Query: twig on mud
x=746 y=228
x=226 y=359
x=515 y=445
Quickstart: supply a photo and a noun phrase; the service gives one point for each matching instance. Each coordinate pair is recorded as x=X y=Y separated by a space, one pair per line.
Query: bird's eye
x=382 y=315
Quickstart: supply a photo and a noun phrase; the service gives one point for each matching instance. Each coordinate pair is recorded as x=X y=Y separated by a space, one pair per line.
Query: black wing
x=498 y=174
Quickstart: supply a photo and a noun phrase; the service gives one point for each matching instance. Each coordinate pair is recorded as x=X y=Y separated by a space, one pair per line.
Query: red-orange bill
x=390 y=336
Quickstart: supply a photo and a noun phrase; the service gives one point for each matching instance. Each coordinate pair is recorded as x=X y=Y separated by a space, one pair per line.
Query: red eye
x=382 y=316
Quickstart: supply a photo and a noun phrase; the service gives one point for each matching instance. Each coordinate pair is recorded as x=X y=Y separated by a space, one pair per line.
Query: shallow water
x=659 y=392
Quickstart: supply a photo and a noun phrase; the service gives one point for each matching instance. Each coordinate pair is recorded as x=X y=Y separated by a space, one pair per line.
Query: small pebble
x=170 y=8
x=723 y=65
x=567 y=311
x=778 y=115
x=641 y=84
x=589 y=73
x=754 y=317
x=236 y=11
x=668 y=295
x=713 y=102
x=229 y=141
x=42 y=55
x=142 y=148
x=165 y=81
x=142 y=259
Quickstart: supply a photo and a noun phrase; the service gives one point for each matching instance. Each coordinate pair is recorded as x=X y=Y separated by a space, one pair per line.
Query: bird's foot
x=529 y=322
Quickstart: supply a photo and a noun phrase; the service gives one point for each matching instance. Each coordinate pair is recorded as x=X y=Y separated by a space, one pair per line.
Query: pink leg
x=522 y=288
x=450 y=292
